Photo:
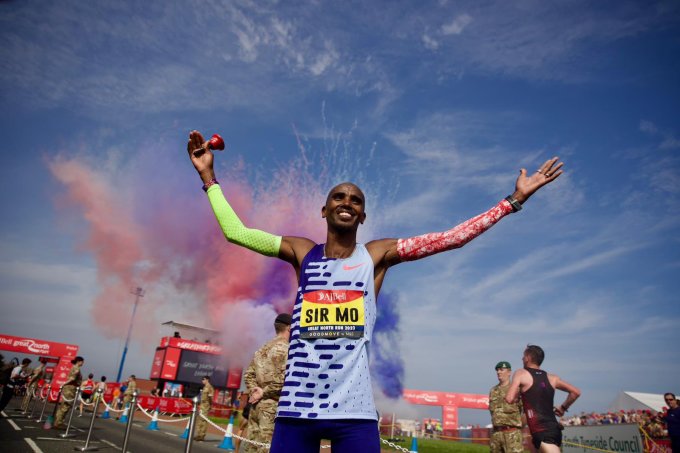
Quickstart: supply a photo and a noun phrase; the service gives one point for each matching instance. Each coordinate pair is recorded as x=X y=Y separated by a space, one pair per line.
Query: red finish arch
x=63 y=352
x=450 y=403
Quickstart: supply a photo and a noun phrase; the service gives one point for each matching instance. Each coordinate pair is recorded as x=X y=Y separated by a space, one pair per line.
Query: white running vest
x=327 y=375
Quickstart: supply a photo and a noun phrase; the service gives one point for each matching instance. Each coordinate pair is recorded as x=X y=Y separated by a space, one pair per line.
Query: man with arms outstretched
x=327 y=389
x=537 y=388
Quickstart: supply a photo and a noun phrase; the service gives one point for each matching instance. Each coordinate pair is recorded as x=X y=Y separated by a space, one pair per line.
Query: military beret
x=284 y=318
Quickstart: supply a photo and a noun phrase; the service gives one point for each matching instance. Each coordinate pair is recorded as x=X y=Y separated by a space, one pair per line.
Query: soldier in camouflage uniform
x=32 y=383
x=505 y=417
x=206 y=404
x=131 y=388
x=264 y=380
x=68 y=391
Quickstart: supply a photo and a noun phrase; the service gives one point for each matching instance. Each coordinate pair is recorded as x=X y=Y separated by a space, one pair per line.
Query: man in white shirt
x=17 y=378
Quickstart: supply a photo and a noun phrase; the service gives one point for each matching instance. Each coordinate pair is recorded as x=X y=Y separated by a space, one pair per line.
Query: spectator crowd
x=652 y=422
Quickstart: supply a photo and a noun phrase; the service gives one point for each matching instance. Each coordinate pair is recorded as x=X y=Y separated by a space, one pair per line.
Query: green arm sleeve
x=234 y=230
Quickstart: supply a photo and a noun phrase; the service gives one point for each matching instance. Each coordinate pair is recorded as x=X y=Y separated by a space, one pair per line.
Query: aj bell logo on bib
x=332 y=314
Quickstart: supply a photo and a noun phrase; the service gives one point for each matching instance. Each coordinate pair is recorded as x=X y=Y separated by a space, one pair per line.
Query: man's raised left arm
x=394 y=251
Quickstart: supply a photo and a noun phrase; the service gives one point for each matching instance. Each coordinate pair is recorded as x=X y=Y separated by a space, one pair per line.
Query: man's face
x=672 y=402
x=503 y=375
x=525 y=359
x=344 y=207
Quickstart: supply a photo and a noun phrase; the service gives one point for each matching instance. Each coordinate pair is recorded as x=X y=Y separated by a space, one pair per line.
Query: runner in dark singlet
x=537 y=390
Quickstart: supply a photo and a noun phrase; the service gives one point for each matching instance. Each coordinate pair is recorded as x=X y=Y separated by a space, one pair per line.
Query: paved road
x=18 y=434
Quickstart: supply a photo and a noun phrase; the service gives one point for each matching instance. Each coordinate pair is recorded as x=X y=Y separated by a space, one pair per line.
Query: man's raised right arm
x=236 y=232
x=287 y=248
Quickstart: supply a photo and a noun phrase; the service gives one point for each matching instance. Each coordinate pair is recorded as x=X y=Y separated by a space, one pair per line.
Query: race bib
x=332 y=314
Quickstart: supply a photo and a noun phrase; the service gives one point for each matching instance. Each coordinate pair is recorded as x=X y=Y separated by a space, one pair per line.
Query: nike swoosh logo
x=349 y=268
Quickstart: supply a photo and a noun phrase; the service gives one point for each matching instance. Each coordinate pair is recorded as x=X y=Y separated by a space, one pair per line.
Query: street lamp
x=139 y=293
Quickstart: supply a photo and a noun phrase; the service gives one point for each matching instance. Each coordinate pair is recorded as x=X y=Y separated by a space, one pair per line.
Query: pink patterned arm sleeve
x=428 y=244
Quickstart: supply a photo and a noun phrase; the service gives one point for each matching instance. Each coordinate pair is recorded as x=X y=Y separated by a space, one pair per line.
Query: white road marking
x=33 y=445
x=170 y=434
x=14 y=425
x=64 y=440
x=111 y=444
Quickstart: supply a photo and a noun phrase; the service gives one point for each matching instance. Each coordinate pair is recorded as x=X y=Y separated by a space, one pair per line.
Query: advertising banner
x=111 y=390
x=449 y=417
x=60 y=375
x=157 y=364
x=169 y=405
x=194 y=365
x=234 y=378
x=25 y=345
x=616 y=437
x=170 y=364
x=463 y=400
x=190 y=345
x=449 y=402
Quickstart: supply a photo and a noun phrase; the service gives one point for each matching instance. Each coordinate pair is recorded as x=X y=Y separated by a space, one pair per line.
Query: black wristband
x=516 y=205
x=207 y=185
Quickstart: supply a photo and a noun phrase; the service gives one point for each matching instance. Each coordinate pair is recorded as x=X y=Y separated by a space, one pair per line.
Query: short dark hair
x=330 y=192
x=26 y=361
x=535 y=353
x=280 y=327
x=103 y=379
x=207 y=378
x=77 y=359
x=133 y=376
x=669 y=394
x=90 y=376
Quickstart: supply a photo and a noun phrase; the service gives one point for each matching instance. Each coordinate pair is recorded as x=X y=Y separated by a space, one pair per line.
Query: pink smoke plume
x=148 y=224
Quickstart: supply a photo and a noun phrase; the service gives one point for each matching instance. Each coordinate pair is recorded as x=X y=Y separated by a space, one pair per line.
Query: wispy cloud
x=669 y=141
x=456 y=26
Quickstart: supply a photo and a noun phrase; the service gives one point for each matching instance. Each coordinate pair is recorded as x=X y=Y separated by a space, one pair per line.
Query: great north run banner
x=617 y=437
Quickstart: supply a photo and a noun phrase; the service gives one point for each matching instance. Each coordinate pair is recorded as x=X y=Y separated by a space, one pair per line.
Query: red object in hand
x=216 y=142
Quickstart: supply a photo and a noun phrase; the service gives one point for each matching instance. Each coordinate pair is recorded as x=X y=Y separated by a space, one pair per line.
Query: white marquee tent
x=634 y=401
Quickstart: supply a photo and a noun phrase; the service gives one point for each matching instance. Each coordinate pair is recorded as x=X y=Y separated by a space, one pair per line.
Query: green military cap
x=503 y=365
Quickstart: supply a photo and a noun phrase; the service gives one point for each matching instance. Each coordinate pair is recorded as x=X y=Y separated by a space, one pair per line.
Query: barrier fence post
x=42 y=412
x=192 y=422
x=70 y=415
x=86 y=447
x=133 y=407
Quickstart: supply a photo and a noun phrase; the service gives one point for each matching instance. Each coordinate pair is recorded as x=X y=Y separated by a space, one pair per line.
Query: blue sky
x=432 y=107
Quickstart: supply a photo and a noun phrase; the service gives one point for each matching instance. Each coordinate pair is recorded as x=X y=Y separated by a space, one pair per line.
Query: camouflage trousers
x=202 y=425
x=67 y=393
x=261 y=425
x=30 y=390
x=506 y=441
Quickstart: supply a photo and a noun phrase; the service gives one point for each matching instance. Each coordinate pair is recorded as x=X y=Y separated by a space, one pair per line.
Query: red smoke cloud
x=158 y=232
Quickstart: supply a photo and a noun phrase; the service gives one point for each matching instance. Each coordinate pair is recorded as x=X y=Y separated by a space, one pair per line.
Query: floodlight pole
x=139 y=293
